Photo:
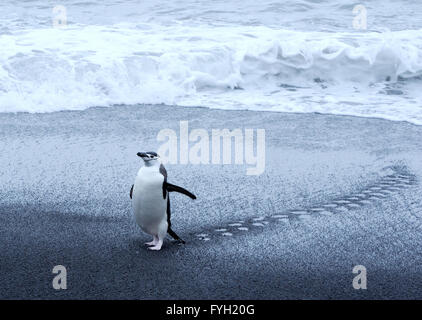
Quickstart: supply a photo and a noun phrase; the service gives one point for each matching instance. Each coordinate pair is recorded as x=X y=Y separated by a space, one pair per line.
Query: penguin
x=150 y=196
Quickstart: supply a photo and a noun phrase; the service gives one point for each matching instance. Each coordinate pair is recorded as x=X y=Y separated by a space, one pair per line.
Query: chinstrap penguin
x=151 y=200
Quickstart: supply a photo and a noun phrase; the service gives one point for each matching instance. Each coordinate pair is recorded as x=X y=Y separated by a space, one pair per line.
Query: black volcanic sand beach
x=354 y=183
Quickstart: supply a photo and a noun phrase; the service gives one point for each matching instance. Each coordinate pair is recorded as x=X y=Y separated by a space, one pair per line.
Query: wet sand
x=65 y=184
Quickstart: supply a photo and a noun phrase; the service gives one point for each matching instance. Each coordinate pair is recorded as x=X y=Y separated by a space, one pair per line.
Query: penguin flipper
x=172 y=188
x=131 y=192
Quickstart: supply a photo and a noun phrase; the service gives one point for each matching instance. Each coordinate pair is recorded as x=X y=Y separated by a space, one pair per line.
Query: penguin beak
x=142 y=155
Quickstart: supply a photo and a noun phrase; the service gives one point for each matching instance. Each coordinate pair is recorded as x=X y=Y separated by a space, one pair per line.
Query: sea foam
x=376 y=74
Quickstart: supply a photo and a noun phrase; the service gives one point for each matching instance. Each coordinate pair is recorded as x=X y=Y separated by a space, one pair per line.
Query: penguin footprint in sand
x=151 y=200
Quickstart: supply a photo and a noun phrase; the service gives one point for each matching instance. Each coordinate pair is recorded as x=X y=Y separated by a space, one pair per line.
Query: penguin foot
x=154 y=241
x=156 y=247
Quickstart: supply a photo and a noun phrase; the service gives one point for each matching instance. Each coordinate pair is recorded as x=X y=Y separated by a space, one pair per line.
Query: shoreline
x=209 y=108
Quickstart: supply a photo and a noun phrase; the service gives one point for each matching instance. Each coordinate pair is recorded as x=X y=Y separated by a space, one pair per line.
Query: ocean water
x=293 y=55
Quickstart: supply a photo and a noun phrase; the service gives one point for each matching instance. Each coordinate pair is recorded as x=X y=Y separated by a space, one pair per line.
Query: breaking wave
x=228 y=67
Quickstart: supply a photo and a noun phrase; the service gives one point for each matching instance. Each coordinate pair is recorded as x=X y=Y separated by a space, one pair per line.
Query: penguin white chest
x=149 y=205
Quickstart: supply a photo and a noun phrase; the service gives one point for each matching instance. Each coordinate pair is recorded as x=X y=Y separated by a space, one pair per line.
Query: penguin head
x=149 y=157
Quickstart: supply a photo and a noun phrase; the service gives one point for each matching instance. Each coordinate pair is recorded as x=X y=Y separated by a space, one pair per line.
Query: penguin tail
x=175 y=236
